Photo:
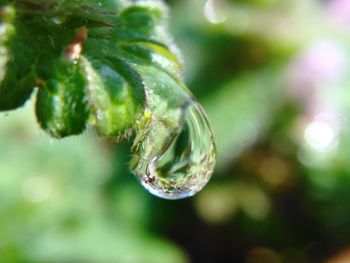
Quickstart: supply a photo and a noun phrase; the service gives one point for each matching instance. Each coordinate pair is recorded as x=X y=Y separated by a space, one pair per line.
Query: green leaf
x=16 y=63
x=110 y=64
x=143 y=21
x=153 y=54
x=116 y=96
x=61 y=107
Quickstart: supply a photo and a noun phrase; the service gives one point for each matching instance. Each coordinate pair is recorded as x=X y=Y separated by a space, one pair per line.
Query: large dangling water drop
x=175 y=159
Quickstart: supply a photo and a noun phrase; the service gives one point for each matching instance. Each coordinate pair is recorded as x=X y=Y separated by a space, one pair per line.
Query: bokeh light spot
x=213 y=12
x=36 y=189
x=320 y=136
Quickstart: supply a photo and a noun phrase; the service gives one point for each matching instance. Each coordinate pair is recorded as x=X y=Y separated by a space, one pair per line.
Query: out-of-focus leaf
x=241 y=110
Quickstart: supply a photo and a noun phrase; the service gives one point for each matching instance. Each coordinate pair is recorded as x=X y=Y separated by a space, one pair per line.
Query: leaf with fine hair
x=85 y=58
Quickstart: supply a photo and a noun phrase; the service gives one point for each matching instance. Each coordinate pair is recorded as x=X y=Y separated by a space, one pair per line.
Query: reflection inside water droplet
x=175 y=162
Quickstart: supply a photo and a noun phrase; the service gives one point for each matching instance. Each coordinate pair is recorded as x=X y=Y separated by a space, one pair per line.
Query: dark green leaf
x=61 y=103
x=17 y=62
x=116 y=96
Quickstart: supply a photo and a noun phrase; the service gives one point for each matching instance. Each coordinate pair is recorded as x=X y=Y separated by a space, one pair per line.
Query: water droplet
x=175 y=162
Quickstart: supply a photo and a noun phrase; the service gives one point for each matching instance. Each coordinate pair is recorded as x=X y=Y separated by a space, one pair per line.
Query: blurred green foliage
x=55 y=207
x=273 y=77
